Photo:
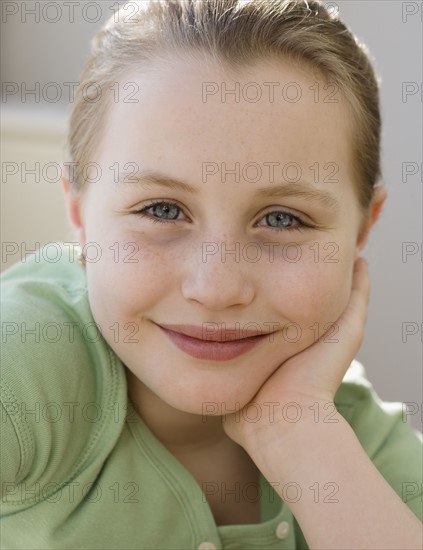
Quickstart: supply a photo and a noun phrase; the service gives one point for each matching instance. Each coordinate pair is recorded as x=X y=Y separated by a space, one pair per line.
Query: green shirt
x=80 y=469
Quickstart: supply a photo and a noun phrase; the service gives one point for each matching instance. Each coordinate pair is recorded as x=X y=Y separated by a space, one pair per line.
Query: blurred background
x=44 y=47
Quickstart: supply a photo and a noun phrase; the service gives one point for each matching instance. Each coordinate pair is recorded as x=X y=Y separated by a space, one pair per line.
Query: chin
x=209 y=402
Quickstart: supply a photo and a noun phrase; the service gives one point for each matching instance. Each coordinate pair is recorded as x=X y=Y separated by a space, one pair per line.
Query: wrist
x=287 y=440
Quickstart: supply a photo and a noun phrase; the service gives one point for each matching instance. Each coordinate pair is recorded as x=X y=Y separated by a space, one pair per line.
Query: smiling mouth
x=211 y=348
x=212 y=340
x=219 y=335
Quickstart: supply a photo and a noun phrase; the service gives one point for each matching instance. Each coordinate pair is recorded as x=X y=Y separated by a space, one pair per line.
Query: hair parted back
x=235 y=33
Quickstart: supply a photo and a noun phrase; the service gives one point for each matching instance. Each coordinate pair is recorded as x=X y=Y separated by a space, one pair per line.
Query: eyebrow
x=300 y=189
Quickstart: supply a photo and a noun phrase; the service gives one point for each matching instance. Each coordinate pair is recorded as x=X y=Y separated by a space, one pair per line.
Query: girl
x=191 y=382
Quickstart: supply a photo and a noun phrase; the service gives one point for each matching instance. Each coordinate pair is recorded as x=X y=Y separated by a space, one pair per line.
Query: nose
x=219 y=277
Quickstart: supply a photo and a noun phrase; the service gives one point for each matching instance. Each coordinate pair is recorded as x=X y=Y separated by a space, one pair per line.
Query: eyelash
x=143 y=213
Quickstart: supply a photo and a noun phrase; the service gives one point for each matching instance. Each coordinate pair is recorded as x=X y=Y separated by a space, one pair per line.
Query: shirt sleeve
x=46 y=380
x=393 y=445
x=16 y=447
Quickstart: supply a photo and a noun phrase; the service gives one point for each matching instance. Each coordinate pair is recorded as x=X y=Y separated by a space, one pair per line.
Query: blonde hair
x=236 y=33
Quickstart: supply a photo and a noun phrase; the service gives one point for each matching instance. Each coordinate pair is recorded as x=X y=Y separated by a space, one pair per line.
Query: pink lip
x=211 y=347
x=212 y=333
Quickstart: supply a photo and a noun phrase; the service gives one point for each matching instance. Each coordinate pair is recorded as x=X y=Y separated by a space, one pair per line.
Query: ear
x=375 y=208
x=73 y=201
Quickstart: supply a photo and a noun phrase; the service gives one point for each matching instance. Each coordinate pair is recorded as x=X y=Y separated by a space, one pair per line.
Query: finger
x=352 y=321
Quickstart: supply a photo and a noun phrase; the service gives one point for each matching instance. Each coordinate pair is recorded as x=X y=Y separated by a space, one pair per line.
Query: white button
x=282 y=530
x=206 y=546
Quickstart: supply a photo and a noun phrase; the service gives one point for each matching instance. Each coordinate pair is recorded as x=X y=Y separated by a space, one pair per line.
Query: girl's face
x=294 y=248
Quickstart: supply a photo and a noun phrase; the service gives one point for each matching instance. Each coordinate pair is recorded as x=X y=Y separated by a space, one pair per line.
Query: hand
x=309 y=377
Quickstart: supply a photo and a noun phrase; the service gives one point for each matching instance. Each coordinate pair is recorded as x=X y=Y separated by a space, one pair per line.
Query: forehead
x=190 y=112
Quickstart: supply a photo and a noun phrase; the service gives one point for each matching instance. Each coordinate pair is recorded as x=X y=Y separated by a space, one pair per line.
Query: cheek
x=127 y=282
x=308 y=292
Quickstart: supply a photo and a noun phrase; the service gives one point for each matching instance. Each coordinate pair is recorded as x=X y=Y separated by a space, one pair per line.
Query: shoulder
x=393 y=445
x=60 y=380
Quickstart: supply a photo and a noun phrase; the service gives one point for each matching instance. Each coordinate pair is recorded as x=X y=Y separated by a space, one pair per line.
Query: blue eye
x=161 y=209
x=286 y=221
x=168 y=212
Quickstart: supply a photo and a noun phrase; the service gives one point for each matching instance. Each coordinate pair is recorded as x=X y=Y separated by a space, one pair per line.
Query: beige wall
x=32 y=213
